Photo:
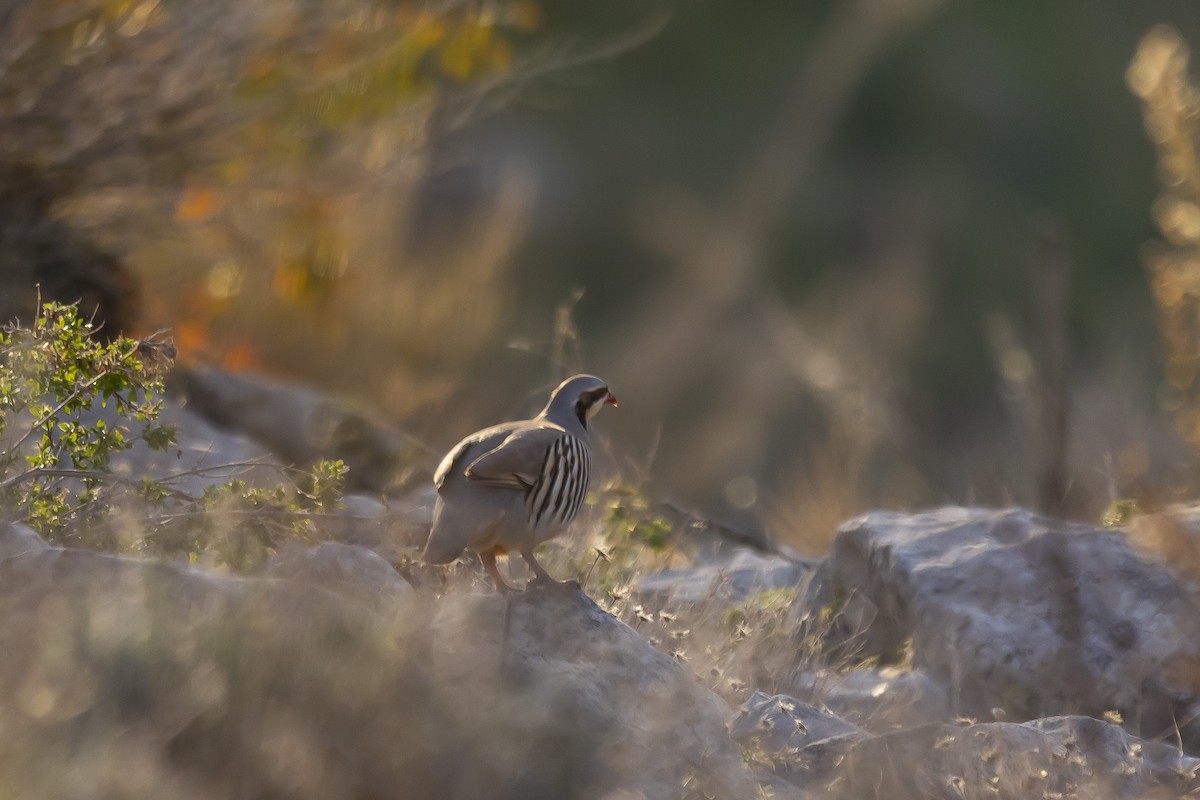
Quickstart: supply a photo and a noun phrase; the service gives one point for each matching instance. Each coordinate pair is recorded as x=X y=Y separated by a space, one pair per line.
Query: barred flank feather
x=561 y=485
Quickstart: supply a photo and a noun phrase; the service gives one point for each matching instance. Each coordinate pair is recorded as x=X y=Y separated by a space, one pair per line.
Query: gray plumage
x=513 y=486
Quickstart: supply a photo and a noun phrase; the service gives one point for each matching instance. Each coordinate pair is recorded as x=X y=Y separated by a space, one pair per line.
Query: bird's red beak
x=612 y=400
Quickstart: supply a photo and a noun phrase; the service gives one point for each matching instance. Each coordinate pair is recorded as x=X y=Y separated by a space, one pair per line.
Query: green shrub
x=55 y=458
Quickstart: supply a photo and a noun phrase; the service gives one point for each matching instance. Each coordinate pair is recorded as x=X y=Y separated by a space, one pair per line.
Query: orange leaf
x=241 y=357
x=191 y=337
x=196 y=203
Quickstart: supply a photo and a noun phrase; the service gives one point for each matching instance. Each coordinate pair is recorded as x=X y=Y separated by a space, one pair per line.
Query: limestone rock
x=801 y=740
x=1074 y=758
x=734 y=575
x=141 y=679
x=302 y=425
x=1014 y=611
x=394 y=527
x=17 y=539
x=656 y=729
x=347 y=570
x=881 y=700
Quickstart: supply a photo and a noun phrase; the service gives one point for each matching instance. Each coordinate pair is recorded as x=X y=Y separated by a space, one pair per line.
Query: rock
x=17 y=539
x=704 y=539
x=802 y=741
x=152 y=680
x=302 y=425
x=655 y=728
x=350 y=571
x=733 y=576
x=1010 y=610
x=881 y=700
x=77 y=575
x=1066 y=757
x=395 y=527
x=204 y=455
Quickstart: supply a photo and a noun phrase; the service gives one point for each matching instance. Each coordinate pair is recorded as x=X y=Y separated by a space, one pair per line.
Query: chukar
x=513 y=486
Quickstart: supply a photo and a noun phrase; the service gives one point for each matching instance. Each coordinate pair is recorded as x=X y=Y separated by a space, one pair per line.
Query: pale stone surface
x=1012 y=611
x=1065 y=758
x=805 y=742
x=302 y=425
x=733 y=575
x=17 y=539
x=350 y=571
x=881 y=700
x=656 y=726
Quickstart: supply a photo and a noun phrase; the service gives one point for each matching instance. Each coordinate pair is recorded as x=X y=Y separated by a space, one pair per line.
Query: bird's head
x=580 y=397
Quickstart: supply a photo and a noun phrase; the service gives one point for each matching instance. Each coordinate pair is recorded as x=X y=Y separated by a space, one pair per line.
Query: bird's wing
x=475 y=444
x=518 y=460
x=447 y=464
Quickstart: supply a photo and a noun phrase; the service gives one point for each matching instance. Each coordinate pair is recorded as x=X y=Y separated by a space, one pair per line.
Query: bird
x=512 y=486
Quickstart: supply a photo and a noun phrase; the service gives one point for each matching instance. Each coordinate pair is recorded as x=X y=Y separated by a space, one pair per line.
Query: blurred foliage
x=1171 y=103
x=801 y=232
x=269 y=154
x=857 y=371
x=56 y=464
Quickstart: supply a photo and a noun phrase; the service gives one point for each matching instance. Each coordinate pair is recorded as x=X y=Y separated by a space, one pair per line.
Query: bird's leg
x=540 y=576
x=489 y=563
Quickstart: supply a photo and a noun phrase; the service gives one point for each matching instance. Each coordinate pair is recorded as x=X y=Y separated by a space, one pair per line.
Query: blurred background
x=830 y=256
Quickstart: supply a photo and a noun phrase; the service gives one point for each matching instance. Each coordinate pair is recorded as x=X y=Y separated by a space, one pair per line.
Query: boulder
x=17 y=539
x=204 y=455
x=151 y=679
x=799 y=740
x=395 y=527
x=1075 y=758
x=141 y=679
x=734 y=575
x=1012 y=611
x=347 y=570
x=656 y=731
x=880 y=699
x=302 y=425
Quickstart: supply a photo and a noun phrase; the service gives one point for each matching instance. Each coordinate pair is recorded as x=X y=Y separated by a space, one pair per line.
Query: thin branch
x=257 y=512
x=99 y=475
x=81 y=474
x=74 y=395
x=243 y=466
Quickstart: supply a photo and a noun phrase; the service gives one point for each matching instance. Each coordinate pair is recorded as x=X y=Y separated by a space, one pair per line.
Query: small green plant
x=632 y=537
x=1120 y=512
x=238 y=525
x=54 y=467
x=56 y=453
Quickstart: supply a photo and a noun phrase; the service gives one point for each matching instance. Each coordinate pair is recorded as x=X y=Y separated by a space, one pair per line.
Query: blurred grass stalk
x=1159 y=76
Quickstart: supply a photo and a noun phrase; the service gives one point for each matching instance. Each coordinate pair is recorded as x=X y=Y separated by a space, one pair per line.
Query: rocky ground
x=956 y=653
